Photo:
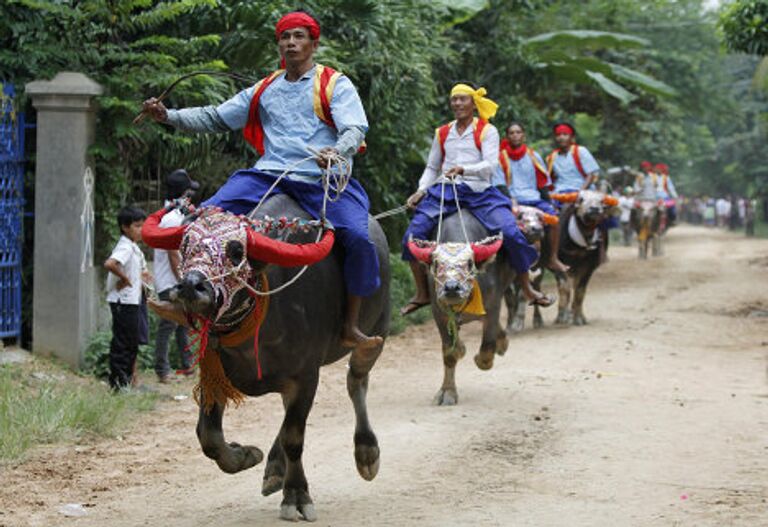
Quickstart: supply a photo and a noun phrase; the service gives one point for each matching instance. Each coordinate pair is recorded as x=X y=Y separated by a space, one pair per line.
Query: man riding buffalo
x=522 y=171
x=305 y=105
x=665 y=190
x=572 y=168
x=463 y=158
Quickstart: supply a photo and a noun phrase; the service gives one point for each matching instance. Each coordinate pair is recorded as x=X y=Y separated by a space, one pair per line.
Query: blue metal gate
x=11 y=211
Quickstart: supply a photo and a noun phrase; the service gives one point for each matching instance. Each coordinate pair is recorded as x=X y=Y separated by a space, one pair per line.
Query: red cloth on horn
x=167 y=238
x=297 y=19
x=285 y=254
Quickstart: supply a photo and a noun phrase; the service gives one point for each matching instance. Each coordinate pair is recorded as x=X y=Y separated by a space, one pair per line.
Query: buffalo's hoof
x=517 y=325
x=538 y=321
x=502 y=343
x=295 y=502
x=563 y=318
x=446 y=397
x=484 y=360
x=239 y=458
x=271 y=484
x=367 y=460
x=579 y=320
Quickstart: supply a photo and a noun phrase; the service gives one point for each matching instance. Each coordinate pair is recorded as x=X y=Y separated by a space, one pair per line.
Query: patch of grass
x=401 y=290
x=44 y=407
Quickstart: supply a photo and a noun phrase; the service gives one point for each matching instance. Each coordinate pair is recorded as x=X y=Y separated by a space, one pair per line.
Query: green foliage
x=97 y=352
x=48 y=407
x=401 y=290
x=745 y=26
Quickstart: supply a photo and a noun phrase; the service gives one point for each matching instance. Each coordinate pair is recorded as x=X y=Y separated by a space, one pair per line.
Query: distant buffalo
x=453 y=266
x=580 y=243
x=533 y=224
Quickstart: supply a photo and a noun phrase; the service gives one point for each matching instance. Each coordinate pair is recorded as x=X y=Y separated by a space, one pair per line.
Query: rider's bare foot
x=352 y=337
x=557 y=266
x=168 y=311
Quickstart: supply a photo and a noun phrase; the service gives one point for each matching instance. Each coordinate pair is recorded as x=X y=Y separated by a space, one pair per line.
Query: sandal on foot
x=543 y=301
x=412 y=306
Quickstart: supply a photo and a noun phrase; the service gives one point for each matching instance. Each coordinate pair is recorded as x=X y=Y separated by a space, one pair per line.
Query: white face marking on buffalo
x=530 y=222
x=453 y=268
x=590 y=206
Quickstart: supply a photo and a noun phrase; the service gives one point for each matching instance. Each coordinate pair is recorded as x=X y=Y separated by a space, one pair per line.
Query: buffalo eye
x=234 y=251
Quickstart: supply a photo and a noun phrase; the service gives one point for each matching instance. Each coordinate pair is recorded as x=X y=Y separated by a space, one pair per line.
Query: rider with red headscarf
x=305 y=105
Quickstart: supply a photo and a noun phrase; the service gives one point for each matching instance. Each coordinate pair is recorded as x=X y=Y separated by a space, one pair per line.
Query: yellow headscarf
x=486 y=108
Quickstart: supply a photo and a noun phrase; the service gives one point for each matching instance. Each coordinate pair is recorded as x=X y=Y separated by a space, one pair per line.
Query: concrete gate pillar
x=64 y=302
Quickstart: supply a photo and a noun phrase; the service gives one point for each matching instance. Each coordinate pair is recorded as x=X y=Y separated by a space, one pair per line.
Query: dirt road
x=654 y=414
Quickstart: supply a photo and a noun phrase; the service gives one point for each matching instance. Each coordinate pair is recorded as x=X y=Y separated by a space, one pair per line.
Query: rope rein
x=335 y=178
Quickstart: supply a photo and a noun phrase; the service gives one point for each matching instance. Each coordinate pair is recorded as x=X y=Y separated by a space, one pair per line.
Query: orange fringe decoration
x=214 y=386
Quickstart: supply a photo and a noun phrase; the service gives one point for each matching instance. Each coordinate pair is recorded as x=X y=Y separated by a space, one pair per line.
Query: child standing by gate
x=127 y=268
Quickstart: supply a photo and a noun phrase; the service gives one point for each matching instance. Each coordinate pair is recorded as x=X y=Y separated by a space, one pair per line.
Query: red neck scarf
x=515 y=154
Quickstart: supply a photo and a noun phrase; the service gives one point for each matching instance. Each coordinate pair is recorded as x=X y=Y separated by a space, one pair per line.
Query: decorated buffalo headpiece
x=218 y=245
x=590 y=205
x=453 y=265
x=532 y=221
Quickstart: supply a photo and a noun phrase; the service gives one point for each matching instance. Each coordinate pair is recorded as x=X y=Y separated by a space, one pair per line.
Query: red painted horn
x=483 y=251
x=569 y=197
x=421 y=252
x=610 y=201
x=157 y=237
x=284 y=254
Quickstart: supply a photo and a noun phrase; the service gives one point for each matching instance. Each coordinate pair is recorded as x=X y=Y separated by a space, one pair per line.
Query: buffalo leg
x=538 y=321
x=578 y=296
x=516 y=304
x=231 y=457
x=448 y=395
x=274 y=473
x=564 y=288
x=297 y=399
x=494 y=338
x=366 y=444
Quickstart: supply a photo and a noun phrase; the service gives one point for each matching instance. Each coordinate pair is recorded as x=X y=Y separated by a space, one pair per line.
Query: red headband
x=645 y=165
x=564 y=129
x=661 y=167
x=297 y=19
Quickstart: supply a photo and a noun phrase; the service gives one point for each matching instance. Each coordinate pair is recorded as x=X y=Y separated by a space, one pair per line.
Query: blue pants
x=542 y=205
x=349 y=215
x=491 y=208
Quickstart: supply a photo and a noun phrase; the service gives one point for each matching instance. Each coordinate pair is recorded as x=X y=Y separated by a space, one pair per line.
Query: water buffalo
x=646 y=220
x=532 y=223
x=580 y=242
x=453 y=266
x=300 y=332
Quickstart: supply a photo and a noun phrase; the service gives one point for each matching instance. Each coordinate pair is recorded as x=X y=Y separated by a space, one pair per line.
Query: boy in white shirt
x=127 y=268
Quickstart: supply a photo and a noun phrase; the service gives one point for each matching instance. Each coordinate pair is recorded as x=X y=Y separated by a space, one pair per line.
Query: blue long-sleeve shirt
x=289 y=121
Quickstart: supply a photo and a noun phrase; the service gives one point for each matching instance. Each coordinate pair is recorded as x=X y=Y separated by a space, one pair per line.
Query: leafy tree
x=745 y=26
